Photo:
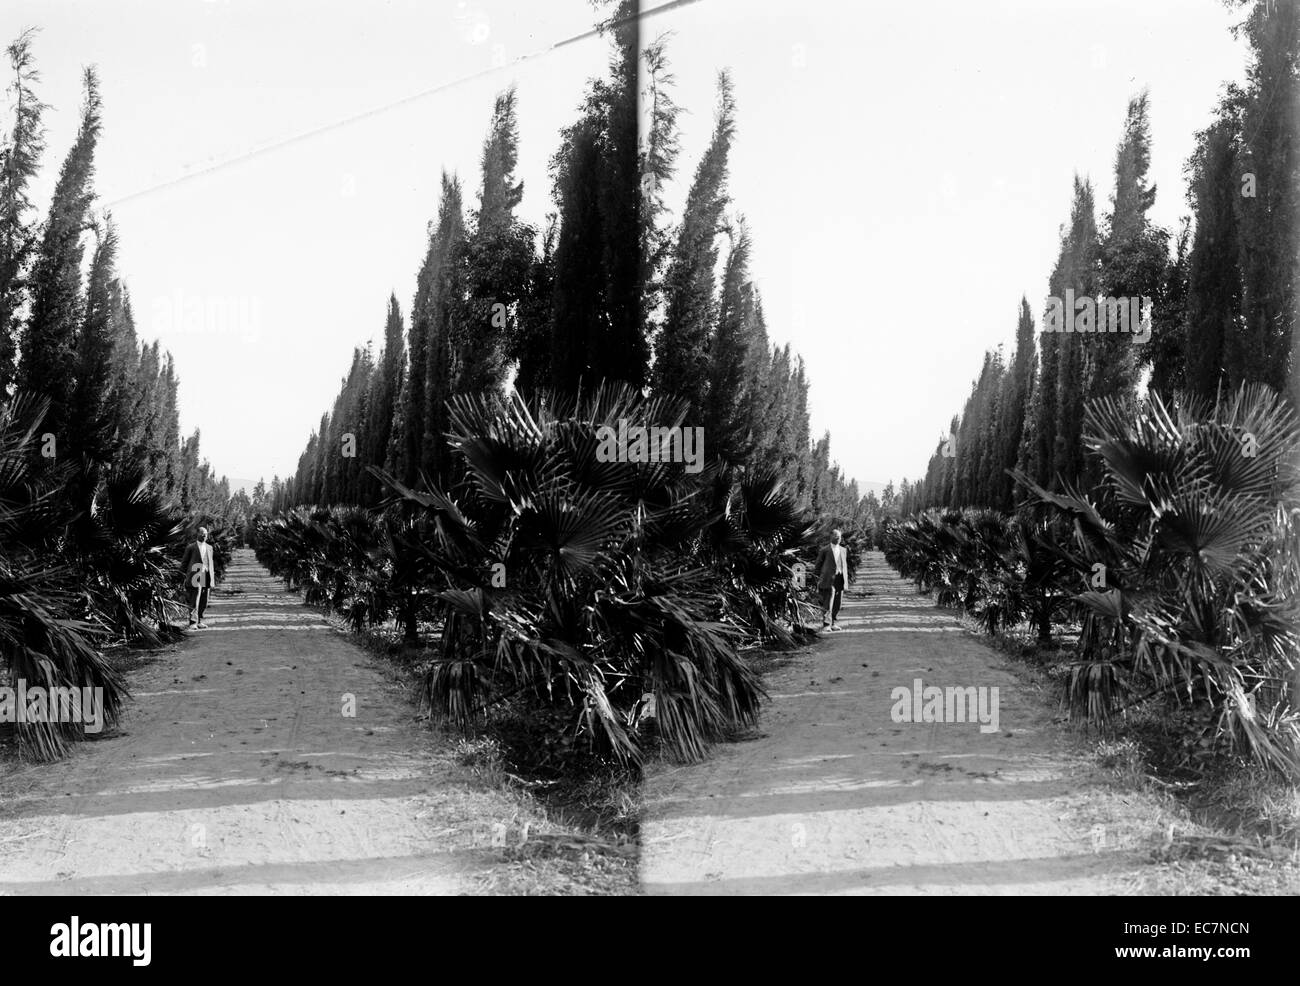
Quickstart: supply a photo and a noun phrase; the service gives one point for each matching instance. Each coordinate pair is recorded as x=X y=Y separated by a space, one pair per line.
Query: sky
x=904 y=169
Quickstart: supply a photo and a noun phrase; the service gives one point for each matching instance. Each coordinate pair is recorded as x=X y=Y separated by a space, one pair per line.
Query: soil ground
x=832 y=796
x=236 y=770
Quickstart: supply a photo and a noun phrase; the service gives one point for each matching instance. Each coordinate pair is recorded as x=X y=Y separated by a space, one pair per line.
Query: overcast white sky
x=904 y=168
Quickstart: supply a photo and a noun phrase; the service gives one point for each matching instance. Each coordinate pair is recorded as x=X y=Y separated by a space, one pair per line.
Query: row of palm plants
x=613 y=598
x=1180 y=568
x=86 y=564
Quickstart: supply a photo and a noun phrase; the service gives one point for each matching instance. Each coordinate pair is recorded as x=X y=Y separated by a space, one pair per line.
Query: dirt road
x=835 y=797
x=236 y=770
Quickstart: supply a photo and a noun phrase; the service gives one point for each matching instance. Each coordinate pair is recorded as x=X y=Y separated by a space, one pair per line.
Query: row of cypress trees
x=609 y=290
x=1223 y=289
x=71 y=338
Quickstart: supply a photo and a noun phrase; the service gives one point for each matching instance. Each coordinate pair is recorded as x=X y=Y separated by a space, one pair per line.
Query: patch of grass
x=1227 y=828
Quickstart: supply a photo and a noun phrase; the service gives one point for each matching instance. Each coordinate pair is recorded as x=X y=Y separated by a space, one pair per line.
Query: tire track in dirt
x=235 y=772
x=834 y=797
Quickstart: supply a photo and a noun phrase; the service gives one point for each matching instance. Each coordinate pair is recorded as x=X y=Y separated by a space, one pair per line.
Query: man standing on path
x=200 y=574
x=832 y=575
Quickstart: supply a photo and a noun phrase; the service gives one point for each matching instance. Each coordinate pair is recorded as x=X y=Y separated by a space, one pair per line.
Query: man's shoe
x=202 y=625
x=834 y=626
x=193 y=624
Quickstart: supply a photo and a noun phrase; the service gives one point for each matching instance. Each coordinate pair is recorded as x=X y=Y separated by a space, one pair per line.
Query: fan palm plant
x=584 y=583
x=119 y=540
x=48 y=629
x=1191 y=552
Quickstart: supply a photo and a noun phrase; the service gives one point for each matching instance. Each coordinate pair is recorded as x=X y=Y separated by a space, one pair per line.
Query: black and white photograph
x=650 y=448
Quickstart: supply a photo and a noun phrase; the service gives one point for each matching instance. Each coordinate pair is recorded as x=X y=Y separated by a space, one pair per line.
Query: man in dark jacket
x=200 y=575
x=832 y=574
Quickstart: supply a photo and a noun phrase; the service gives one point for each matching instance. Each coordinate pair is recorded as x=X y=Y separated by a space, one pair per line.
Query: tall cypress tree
x=529 y=343
x=49 y=337
x=498 y=258
x=1134 y=256
x=91 y=409
x=626 y=355
x=1012 y=407
x=1214 y=355
x=1077 y=268
x=724 y=420
x=20 y=156
x=427 y=348
x=757 y=377
x=125 y=385
x=681 y=352
x=385 y=385
x=599 y=313
x=1168 y=346
x=444 y=283
x=167 y=447
x=658 y=165
x=320 y=486
x=1270 y=223
x=579 y=322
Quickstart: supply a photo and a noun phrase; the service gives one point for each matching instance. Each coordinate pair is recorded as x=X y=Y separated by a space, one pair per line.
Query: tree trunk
x=1044 y=620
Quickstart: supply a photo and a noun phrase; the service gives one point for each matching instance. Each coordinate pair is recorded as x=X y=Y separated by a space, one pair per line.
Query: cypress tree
x=48 y=341
x=1168 y=345
x=724 y=420
x=757 y=378
x=90 y=407
x=1076 y=268
x=1012 y=406
x=1134 y=256
x=498 y=257
x=442 y=305
x=385 y=385
x=20 y=156
x=681 y=352
x=166 y=450
x=599 y=313
x=1214 y=354
x=658 y=166
x=578 y=328
x=1269 y=231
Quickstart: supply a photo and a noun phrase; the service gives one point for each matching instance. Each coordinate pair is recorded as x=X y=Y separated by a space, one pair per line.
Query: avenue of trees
x=1222 y=289
x=1144 y=495
x=454 y=484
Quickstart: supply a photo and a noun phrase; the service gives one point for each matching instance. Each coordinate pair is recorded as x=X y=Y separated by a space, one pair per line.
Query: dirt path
x=236 y=771
x=835 y=797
